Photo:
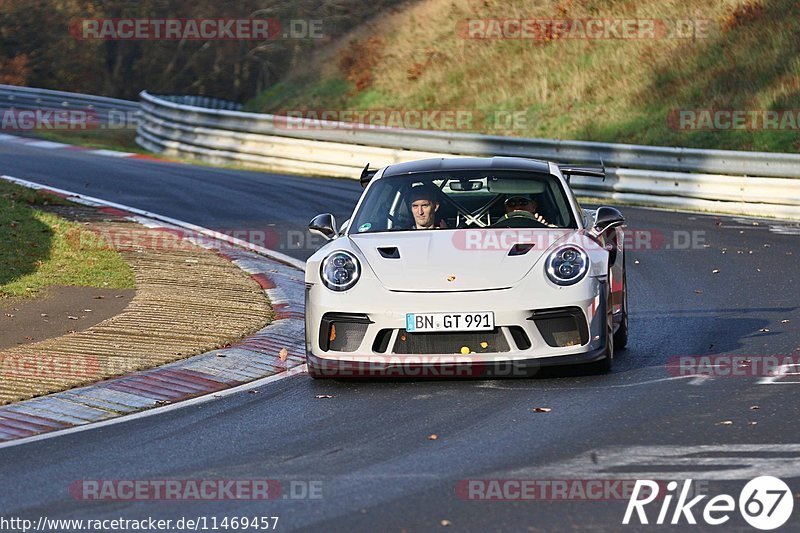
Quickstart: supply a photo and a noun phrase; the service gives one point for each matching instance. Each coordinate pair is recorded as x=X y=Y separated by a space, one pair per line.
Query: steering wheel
x=519 y=219
x=520 y=214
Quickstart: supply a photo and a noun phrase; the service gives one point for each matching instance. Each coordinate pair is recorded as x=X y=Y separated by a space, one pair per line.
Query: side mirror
x=607 y=218
x=324 y=225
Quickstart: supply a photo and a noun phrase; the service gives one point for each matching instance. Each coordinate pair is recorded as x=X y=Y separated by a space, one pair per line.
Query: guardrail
x=108 y=112
x=755 y=183
x=207 y=102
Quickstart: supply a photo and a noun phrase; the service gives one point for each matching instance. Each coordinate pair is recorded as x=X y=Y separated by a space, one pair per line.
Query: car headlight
x=567 y=265
x=340 y=270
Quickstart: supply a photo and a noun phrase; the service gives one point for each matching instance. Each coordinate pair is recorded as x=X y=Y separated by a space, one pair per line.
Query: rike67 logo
x=765 y=503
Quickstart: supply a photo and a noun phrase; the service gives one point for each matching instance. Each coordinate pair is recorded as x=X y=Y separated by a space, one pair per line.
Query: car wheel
x=605 y=364
x=621 y=336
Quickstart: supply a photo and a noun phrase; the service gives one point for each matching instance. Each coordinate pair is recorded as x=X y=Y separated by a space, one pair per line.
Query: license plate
x=427 y=322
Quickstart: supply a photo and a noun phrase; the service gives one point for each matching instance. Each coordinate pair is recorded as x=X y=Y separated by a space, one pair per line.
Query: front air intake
x=460 y=342
x=342 y=332
x=562 y=327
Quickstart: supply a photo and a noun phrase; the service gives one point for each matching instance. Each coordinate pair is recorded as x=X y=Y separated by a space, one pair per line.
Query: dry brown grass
x=614 y=90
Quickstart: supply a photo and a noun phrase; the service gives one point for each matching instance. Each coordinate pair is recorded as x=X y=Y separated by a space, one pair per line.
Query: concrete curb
x=278 y=347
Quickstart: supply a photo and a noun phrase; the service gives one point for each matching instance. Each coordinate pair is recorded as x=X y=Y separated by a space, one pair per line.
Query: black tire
x=606 y=363
x=621 y=336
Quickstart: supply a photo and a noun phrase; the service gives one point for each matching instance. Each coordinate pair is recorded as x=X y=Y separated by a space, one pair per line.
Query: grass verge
x=38 y=249
x=739 y=56
x=112 y=139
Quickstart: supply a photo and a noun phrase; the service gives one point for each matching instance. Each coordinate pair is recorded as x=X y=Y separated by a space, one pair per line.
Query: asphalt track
x=368 y=446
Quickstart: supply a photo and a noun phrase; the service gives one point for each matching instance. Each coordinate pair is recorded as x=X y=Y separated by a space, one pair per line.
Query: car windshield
x=464 y=199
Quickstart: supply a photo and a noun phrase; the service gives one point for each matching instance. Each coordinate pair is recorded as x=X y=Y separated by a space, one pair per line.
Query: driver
x=424 y=206
x=525 y=207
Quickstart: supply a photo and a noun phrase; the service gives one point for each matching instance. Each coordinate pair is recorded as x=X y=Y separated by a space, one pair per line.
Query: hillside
x=715 y=74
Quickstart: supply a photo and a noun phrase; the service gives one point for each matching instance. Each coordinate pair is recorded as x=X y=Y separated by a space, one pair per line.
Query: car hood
x=455 y=260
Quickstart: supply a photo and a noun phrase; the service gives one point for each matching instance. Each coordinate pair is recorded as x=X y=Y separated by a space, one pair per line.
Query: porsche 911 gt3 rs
x=466 y=267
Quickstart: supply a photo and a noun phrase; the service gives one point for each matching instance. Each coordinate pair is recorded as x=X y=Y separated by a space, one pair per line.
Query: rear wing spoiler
x=366 y=176
x=592 y=172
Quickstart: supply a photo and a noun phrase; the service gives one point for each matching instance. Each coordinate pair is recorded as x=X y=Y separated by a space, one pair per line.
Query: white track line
x=50 y=145
x=111 y=153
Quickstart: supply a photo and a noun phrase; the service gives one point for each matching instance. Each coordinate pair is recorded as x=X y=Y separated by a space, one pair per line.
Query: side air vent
x=520 y=249
x=389 y=252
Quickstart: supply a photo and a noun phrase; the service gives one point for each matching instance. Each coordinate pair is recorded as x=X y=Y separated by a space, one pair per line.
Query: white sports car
x=466 y=267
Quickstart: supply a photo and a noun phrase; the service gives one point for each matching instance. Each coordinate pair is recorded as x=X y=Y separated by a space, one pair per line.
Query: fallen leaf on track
x=322 y=396
x=283 y=354
x=725 y=423
x=541 y=409
x=715 y=271
x=445 y=523
x=433 y=436
x=754 y=408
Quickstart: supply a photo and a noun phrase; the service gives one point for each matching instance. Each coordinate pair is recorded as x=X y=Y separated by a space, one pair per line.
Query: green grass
x=39 y=249
x=601 y=90
x=113 y=139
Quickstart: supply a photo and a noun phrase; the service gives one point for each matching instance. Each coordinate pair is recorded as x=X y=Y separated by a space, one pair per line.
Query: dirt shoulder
x=188 y=300
x=57 y=311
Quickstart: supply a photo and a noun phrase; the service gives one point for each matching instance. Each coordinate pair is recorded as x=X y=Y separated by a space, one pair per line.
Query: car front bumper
x=505 y=353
